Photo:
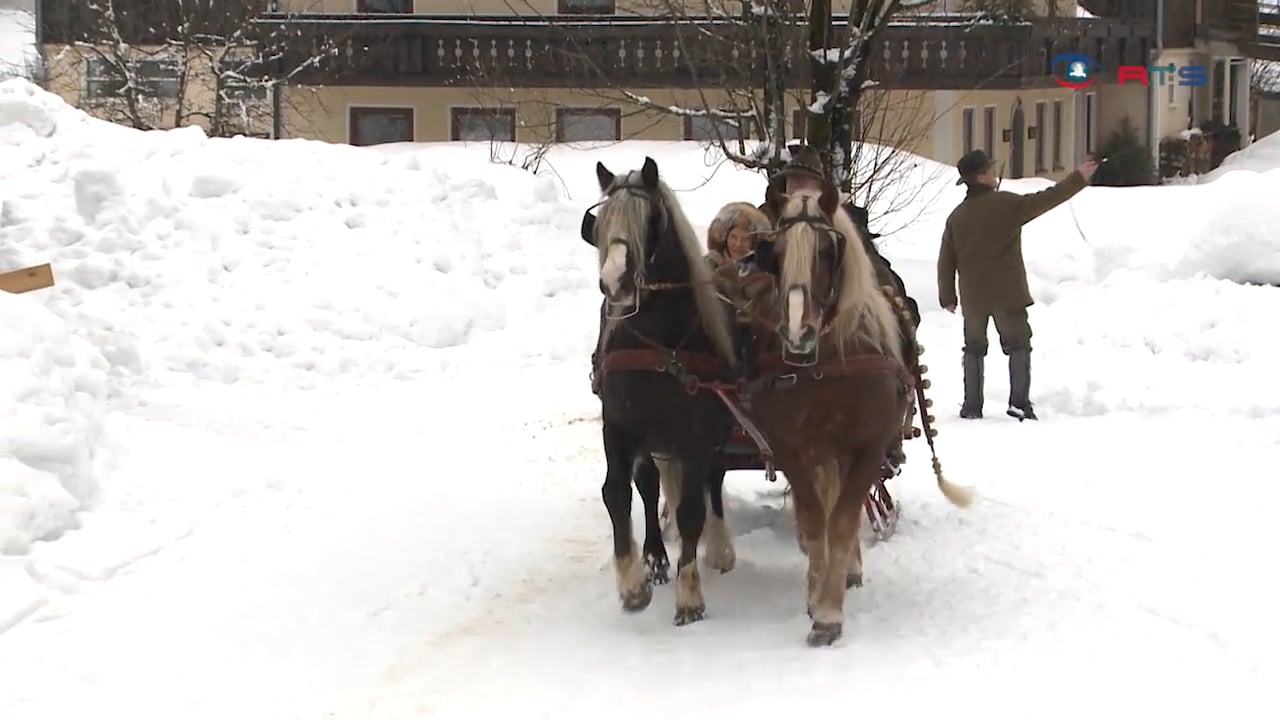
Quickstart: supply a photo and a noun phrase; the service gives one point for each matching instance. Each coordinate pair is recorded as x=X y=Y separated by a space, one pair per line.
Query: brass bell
x=925 y=384
x=923 y=369
x=930 y=419
x=933 y=432
x=928 y=402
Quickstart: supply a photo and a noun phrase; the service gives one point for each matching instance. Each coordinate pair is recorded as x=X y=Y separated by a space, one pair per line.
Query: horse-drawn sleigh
x=817 y=379
x=741 y=453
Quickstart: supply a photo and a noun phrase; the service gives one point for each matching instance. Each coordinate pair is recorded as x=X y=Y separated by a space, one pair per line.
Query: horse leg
x=691 y=516
x=655 y=551
x=633 y=585
x=810 y=529
x=720 y=553
x=853 y=576
x=844 y=519
x=669 y=479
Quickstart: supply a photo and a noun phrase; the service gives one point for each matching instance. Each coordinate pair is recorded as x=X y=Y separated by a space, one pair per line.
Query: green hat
x=974 y=162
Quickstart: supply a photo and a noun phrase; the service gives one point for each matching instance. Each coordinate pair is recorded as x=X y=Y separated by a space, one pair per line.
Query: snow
x=18 y=52
x=305 y=431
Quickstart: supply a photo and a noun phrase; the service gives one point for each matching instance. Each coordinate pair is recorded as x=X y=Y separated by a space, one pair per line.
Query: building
x=378 y=71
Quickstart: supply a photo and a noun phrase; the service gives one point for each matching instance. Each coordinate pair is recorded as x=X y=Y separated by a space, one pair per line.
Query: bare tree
x=887 y=176
x=205 y=62
x=1264 y=76
x=743 y=56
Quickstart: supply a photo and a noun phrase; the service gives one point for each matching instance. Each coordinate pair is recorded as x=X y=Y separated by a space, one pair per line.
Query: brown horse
x=836 y=392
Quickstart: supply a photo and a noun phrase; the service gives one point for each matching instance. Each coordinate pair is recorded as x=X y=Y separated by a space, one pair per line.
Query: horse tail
x=958 y=495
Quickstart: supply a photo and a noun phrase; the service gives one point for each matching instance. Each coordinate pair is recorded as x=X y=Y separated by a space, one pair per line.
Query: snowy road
x=313 y=556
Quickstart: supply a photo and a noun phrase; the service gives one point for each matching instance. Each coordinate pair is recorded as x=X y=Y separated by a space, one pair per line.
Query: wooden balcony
x=923 y=52
x=1252 y=25
x=147 y=22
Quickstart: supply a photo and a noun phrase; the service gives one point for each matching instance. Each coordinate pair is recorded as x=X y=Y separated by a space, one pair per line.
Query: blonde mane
x=863 y=315
x=626 y=216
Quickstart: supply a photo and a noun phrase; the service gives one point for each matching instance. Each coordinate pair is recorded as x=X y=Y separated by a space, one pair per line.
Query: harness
x=698 y=371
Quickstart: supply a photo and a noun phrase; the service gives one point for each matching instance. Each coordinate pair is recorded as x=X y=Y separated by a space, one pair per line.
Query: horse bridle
x=655 y=213
x=825 y=231
x=658 y=218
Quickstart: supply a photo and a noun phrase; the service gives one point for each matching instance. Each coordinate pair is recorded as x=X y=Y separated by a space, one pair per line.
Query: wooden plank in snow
x=27 y=279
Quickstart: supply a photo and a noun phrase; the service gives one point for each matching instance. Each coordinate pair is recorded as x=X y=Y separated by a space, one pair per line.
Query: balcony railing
x=920 y=52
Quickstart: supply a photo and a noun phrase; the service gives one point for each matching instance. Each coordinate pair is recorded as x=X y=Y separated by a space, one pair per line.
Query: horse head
x=807 y=257
x=633 y=222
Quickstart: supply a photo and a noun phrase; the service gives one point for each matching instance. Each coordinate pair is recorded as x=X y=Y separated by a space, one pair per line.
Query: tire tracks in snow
x=577 y=543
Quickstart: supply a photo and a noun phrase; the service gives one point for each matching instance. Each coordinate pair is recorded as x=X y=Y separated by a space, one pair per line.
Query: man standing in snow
x=982 y=243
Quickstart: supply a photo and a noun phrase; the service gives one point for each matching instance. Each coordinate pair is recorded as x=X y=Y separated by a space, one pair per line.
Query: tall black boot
x=1020 y=386
x=973 y=381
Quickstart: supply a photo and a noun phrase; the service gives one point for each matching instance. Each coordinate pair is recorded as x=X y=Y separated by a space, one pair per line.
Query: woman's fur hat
x=736 y=214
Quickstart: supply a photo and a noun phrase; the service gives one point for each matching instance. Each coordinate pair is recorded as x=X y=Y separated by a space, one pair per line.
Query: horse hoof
x=723 y=561
x=690 y=615
x=824 y=634
x=659 y=571
x=637 y=599
x=853 y=580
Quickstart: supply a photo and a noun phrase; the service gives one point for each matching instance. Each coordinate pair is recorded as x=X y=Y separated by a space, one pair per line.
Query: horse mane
x=631 y=212
x=863 y=313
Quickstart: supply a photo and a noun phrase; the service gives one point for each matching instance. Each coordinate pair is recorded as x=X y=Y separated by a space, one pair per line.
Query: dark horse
x=656 y=475
x=664 y=329
x=841 y=391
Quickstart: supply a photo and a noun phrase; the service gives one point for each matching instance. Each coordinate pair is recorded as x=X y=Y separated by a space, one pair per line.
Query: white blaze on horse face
x=795 y=313
x=615 y=264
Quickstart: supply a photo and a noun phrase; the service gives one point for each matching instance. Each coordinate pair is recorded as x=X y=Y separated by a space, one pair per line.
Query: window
x=471 y=124
x=966 y=129
x=377 y=125
x=989 y=130
x=103 y=79
x=1057 y=135
x=1237 y=79
x=240 y=80
x=1041 y=113
x=154 y=78
x=800 y=123
x=705 y=128
x=586 y=7
x=1218 y=108
x=1090 y=123
x=384 y=6
x=588 y=124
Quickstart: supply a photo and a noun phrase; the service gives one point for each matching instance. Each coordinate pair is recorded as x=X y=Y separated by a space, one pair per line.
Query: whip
x=1071 y=206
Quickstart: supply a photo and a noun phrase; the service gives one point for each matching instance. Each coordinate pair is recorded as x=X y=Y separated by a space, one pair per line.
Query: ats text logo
x=1076 y=71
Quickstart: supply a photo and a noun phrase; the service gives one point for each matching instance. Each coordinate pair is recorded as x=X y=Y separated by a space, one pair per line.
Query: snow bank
x=228 y=259
x=185 y=258
x=53 y=390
